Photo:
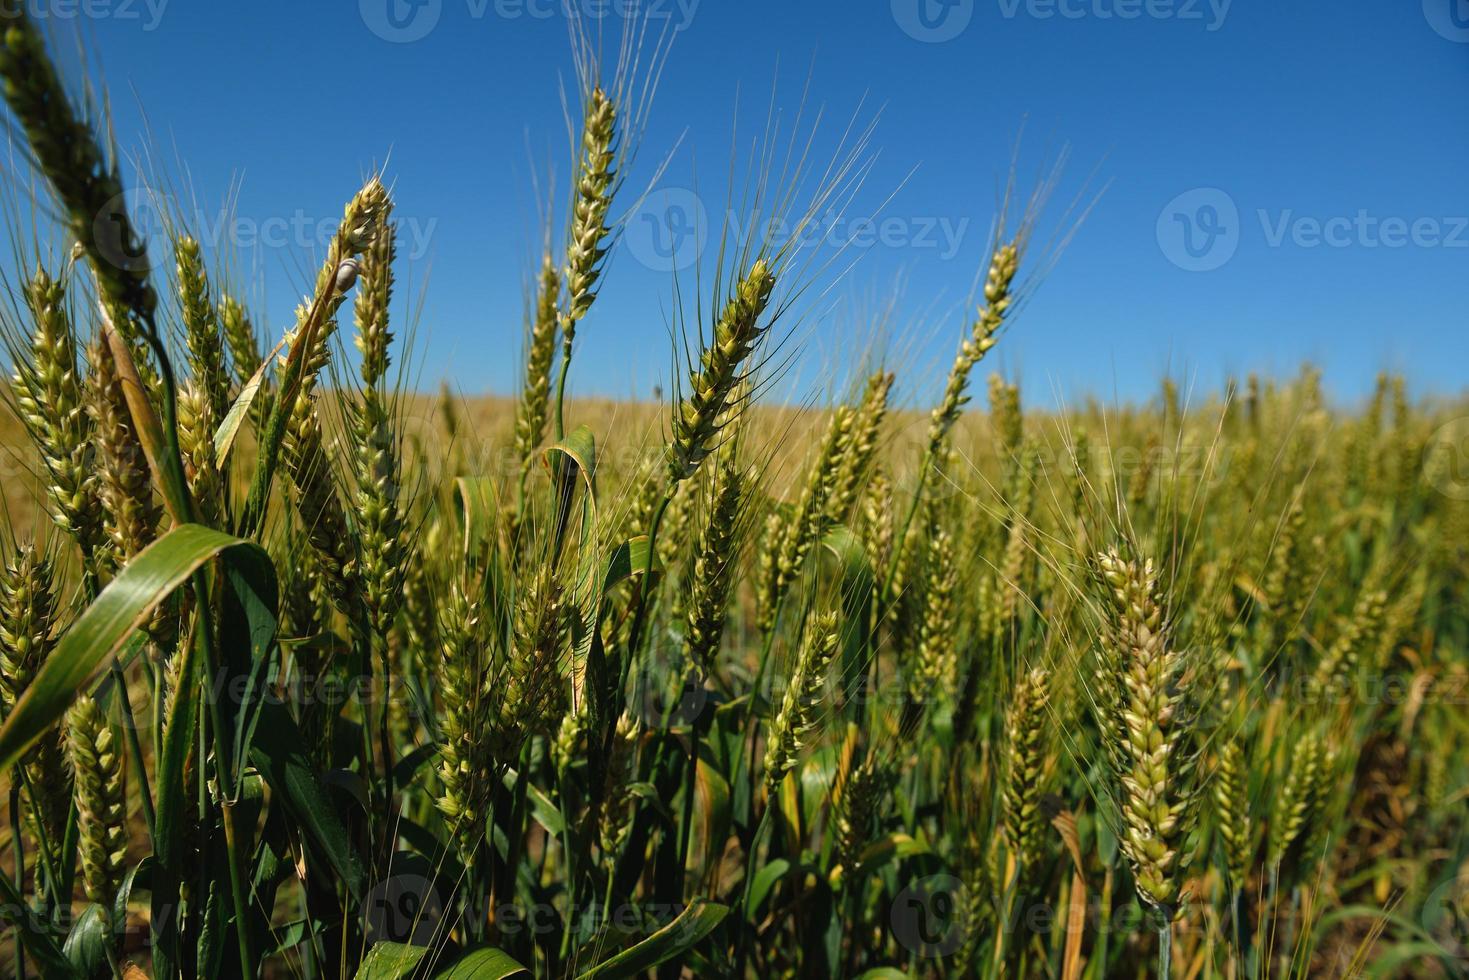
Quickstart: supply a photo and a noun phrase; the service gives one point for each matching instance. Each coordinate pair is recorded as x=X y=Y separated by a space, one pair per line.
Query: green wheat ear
x=797 y=716
x=96 y=758
x=1150 y=745
x=1025 y=781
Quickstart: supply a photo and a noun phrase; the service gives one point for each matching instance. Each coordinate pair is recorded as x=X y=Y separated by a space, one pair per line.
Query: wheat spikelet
x=379 y=514
x=698 y=419
x=85 y=179
x=807 y=521
x=1336 y=673
x=858 y=810
x=28 y=615
x=124 y=485
x=614 y=822
x=797 y=717
x=49 y=397
x=464 y=752
x=196 y=442
x=997 y=297
x=1149 y=749
x=1296 y=798
x=1232 y=803
x=713 y=573
x=1005 y=415
x=239 y=335
x=201 y=327
x=535 y=693
x=533 y=409
x=936 y=665
x=584 y=248
x=96 y=758
x=1024 y=822
x=859 y=446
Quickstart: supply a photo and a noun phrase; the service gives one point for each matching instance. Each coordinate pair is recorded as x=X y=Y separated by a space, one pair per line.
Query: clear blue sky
x=1320 y=149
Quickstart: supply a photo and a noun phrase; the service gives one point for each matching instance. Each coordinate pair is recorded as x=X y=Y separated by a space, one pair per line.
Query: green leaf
x=224 y=436
x=883 y=973
x=479 y=511
x=279 y=752
x=390 y=961
x=765 y=879
x=684 y=932
x=86 y=944
x=397 y=961
x=99 y=632
x=484 y=963
x=33 y=934
x=888 y=848
x=628 y=559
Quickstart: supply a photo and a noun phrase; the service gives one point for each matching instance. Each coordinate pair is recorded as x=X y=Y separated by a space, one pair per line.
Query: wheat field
x=306 y=674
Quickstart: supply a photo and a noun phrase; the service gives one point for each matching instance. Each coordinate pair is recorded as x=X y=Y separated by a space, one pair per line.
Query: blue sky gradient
x=1277 y=181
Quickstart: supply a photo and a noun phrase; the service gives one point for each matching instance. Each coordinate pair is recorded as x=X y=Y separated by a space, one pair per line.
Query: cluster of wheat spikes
x=1166 y=689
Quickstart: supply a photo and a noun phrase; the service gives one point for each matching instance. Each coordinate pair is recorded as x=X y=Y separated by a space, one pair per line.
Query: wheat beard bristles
x=698 y=419
x=797 y=716
x=1149 y=751
x=49 y=396
x=101 y=805
x=997 y=296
